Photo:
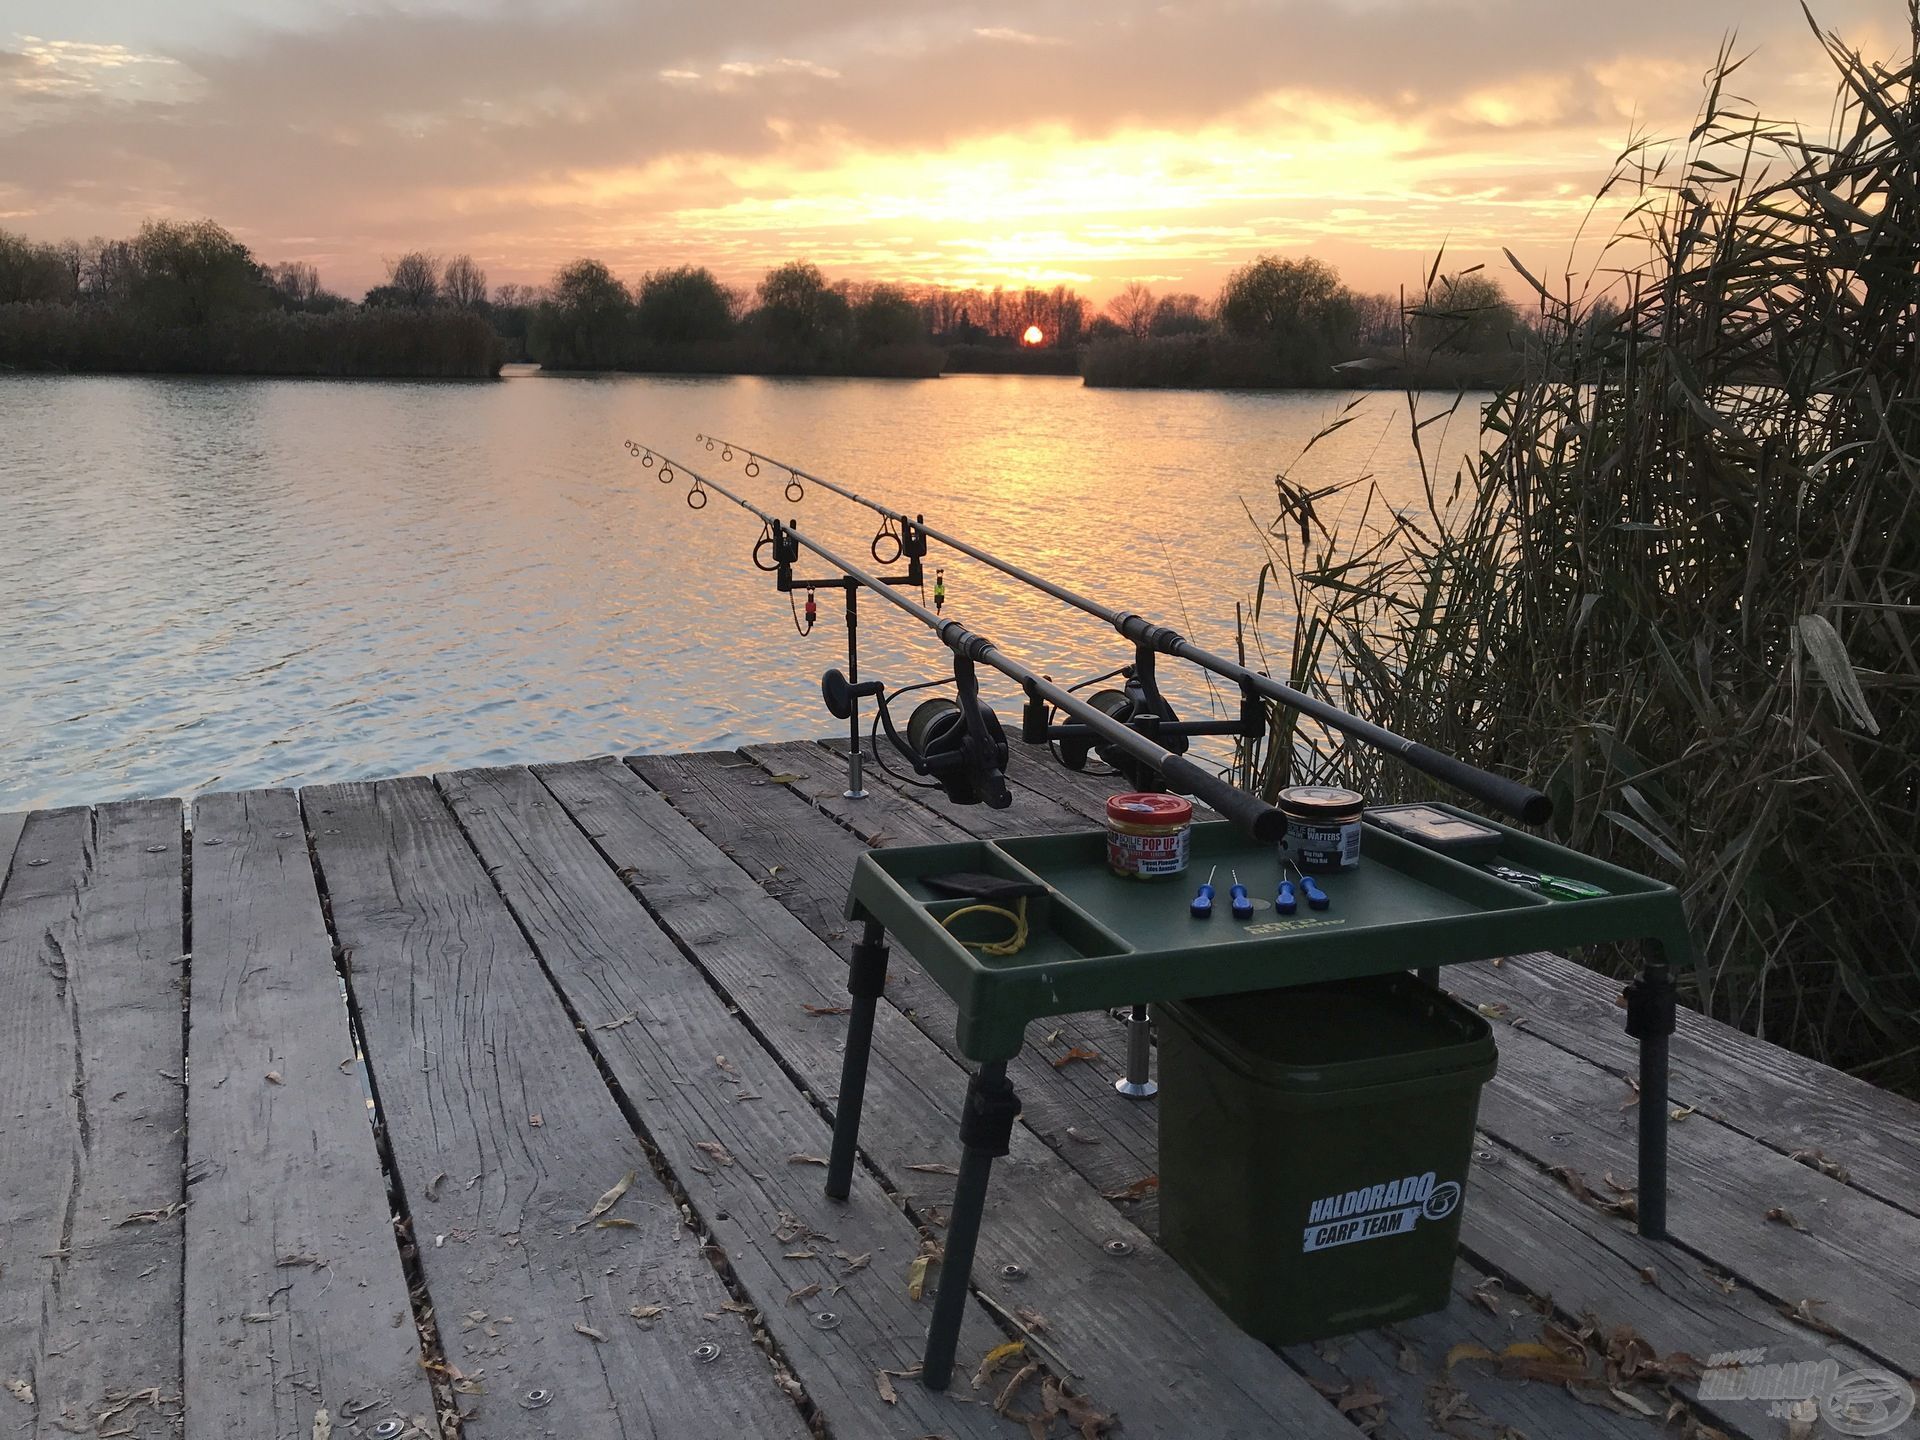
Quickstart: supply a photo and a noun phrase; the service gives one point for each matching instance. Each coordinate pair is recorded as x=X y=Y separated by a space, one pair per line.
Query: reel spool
x=940 y=745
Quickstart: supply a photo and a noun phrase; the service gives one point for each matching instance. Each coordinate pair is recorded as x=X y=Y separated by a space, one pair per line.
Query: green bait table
x=1098 y=941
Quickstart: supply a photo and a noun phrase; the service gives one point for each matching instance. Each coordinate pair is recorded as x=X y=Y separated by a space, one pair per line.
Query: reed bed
x=1677 y=586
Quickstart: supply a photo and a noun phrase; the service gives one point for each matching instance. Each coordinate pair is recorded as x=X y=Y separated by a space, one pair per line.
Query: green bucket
x=1314 y=1145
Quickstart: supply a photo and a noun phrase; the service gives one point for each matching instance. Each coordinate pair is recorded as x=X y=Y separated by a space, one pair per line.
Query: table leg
x=1138 y=1083
x=1652 y=1008
x=986 y=1131
x=866 y=981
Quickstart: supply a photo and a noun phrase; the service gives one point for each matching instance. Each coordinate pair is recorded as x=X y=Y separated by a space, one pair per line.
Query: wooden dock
x=494 y=1104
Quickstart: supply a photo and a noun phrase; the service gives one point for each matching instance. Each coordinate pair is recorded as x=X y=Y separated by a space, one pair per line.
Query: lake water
x=218 y=583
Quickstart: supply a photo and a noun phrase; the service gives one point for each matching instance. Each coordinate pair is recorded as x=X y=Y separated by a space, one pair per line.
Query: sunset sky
x=947 y=143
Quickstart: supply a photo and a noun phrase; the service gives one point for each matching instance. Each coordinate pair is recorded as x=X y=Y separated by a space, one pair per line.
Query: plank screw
x=389 y=1429
x=283 y=834
x=1118 y=1247
x=1486 y=1157
x=36 y=862
x=706 y=1354
x=1013 y=1272
x=157 y=849
x=213 y=842
x=824 y=1320
x=535 y=1399
x=1561 y=1140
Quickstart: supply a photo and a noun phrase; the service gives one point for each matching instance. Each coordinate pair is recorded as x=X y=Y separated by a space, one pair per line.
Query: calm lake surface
x=216 y=584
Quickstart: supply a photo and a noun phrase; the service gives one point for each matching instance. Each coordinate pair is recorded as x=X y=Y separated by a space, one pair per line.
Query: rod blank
x=1523 y=802
x=1252 y=814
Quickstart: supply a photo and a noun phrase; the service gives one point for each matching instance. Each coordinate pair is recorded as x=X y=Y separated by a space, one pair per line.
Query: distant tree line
x=187 y=296
x=1290 y=322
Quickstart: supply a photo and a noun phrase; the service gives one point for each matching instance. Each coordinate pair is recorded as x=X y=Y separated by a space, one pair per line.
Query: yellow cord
x=1012 y=945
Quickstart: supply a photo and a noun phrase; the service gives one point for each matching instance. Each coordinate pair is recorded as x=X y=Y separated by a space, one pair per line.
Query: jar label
x=1148 y=854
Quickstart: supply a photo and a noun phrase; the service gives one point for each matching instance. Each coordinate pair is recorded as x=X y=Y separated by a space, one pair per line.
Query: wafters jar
x=1323 y=827
x=1148 y=835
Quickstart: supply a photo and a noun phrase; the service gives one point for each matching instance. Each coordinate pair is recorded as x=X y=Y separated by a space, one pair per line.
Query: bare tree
x=414 y=278
x=297 y=280
x=1132 y=309
x=464 y=283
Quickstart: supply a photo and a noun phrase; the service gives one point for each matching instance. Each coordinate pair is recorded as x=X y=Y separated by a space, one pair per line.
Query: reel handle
x=840 y=693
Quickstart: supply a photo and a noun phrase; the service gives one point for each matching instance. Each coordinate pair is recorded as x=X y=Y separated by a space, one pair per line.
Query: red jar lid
x=1139 y=808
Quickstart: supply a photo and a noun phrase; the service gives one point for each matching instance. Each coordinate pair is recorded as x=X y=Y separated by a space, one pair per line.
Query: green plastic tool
x=1560 y=887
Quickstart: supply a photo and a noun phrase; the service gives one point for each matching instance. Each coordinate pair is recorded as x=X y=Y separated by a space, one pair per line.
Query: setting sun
x=1033 y=336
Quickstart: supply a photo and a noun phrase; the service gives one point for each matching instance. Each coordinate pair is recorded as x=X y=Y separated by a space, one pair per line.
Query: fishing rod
x=1522 y=802
x=960 y=743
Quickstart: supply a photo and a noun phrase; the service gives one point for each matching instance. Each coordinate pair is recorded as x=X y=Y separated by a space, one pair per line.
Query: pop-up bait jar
x=1323 y=826
x=1147 y=835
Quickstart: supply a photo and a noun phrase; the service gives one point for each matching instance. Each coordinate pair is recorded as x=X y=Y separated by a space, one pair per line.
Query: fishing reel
x=1139 y=706
x=958 y=742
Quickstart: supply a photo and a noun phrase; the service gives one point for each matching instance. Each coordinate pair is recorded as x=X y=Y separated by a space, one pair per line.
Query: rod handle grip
x=1523 y=802
x=1252 y=814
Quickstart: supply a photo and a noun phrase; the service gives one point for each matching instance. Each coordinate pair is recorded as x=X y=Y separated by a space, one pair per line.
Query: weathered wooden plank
x=91 y=1171
x=1857 y=1255
x=11 y=824
x=1144 y=1338
x=1791 y=1103
x=1527 y=1227
x=295 y=1297
x=1113 y=1143
x=662 y=1032
x=503 y=1135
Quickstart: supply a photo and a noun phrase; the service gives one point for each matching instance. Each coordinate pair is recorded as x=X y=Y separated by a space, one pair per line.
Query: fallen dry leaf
x=1073 y=1134
x=721 y=1155
x=1680 y=1112
x=589 y=1332
x=152 y=1217
x=825 y=1009
x=1032 y=1319
x=273 y=1078
x=1649 y=1276
x=612 y=1197
x=1832 y=1169
x=805 y=1292
x=806 y=1159
x=1624 y=1204
x=21 y=1391
x=322 y=1425
x=1492 y=1009
x=853 y=1262
x=934 y=1168
x=616 y=1222
x=1138 y=1190
x=646 y=1313
x=917 y=1276
x=1020 y=1377
x=1806 y=1313
x=884 y=1384
x=1782 y=1216
x=433 y=1187
x=1078 y=1052
x=535 y=1121
x=1483 y=1294
x=617 y=1022
x=991 y=1362
x=801 y=1255
x=1359 y=1396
